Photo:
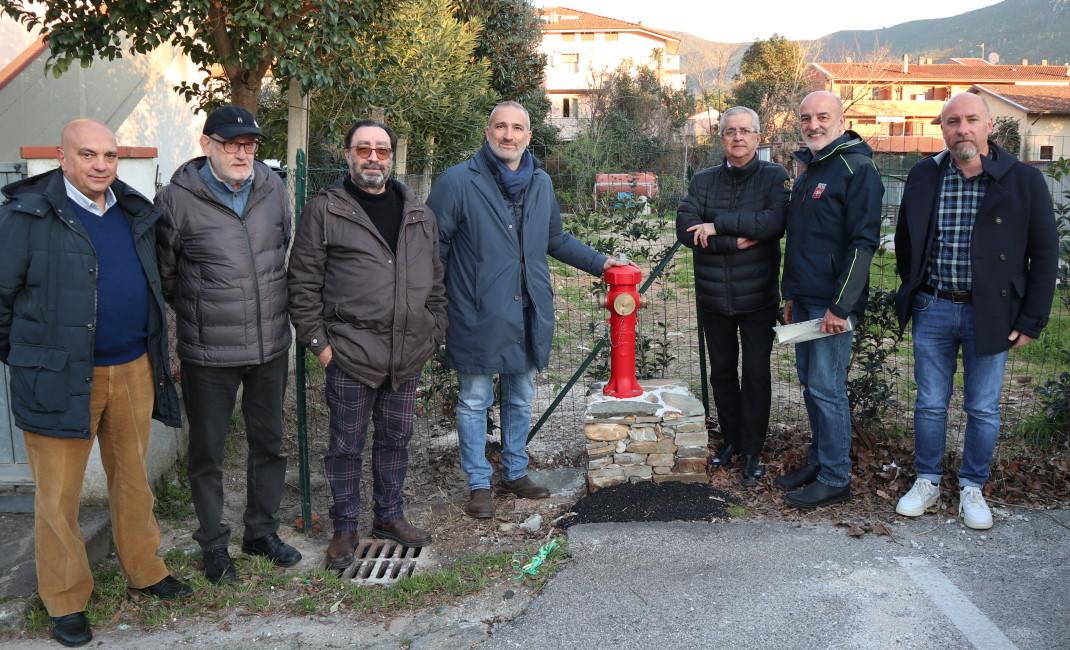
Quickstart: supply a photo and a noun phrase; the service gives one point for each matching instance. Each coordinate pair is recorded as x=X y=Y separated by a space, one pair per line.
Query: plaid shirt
x=960 y=199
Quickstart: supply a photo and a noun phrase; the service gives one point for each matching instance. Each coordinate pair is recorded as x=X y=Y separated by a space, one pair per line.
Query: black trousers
x=742 y=403
x=209 y=394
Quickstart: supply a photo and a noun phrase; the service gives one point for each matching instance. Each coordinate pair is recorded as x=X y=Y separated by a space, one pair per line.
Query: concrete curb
x=18 y=576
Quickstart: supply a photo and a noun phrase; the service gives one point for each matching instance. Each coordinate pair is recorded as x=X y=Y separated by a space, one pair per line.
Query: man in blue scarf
x=498 y=220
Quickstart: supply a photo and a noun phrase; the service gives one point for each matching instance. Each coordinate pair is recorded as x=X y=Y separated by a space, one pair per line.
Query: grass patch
x=261 y=588
x=736 y=511
x=174 y=500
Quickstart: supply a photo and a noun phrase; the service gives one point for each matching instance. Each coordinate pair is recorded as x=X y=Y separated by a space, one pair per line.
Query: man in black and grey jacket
x=733 y=218
x=222 y=250
x=833 y=230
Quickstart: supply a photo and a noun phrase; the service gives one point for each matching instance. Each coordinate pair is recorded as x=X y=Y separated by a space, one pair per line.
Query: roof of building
x=905 y=143
x=944 y=72
x=20 y=62
x=563 y=19
x=969 y=60
x=1037 y=100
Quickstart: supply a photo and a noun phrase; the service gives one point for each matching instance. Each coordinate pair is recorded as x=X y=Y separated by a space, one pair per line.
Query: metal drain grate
x=381 y=562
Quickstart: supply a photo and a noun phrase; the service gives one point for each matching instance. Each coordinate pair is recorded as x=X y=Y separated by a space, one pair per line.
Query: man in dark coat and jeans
x=222 y=249
x=833 y=229
x=366 y=297
x=84 y=332
x=977 y=250
x=733 y=217
x=498 y=220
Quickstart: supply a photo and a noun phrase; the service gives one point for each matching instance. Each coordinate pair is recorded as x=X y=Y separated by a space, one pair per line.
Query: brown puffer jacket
x=382 y=314
x=225 y=275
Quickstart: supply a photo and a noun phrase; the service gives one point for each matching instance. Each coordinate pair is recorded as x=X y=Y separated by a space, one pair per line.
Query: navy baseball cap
x=231 y=121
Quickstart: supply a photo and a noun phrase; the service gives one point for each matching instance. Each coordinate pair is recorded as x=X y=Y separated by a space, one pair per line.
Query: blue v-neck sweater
x=122 y=290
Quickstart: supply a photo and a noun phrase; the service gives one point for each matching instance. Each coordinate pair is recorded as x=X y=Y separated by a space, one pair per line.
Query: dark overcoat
x=489 y=271
x=48 y=301
x=1014 y=247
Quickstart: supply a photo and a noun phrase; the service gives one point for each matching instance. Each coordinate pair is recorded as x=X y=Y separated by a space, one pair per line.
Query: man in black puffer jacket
x=733 y=218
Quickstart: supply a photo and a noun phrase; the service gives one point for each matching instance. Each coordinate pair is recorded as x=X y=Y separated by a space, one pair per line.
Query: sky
x=742 y=22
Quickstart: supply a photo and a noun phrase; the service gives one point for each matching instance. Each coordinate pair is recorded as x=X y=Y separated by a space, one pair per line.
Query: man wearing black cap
x=222 y=252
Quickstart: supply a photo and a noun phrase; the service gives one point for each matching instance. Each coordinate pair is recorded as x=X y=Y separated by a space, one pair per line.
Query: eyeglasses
x=232 y=147
x=366 y=152
x=731 y=133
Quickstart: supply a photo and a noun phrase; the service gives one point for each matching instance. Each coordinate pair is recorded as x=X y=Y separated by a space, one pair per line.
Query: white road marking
x=978 y=629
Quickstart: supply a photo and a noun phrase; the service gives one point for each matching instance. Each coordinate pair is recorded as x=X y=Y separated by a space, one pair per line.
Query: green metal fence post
x=299 y=369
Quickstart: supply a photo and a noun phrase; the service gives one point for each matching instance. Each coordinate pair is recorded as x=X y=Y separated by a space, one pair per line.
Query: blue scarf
x=512 y=183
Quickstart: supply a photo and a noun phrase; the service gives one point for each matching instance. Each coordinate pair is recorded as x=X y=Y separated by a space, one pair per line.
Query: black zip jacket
x=834 y=223
x=748 y=201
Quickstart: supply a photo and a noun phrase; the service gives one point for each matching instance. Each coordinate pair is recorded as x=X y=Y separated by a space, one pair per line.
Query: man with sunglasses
x=367 y=298
x=222 y=251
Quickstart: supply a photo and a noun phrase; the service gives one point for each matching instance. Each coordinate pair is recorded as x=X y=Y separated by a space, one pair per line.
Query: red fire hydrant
x=623 y=303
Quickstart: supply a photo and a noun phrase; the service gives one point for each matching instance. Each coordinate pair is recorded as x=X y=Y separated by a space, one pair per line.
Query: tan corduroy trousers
x=120 y=415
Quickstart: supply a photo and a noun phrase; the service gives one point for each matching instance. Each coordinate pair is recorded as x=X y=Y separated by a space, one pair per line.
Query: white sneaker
x=973 y=509
x=922 y=496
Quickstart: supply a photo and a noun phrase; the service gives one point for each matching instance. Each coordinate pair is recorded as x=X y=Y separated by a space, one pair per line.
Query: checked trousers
x=351 y=404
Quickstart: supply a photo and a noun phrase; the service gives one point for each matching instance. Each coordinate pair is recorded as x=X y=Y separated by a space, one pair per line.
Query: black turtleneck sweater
x=383 y=209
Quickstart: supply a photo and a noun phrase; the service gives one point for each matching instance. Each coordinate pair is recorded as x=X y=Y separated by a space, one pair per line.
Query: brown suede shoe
x=402 y=532
x=524 y=487
x=480 y=504
x=340 y=550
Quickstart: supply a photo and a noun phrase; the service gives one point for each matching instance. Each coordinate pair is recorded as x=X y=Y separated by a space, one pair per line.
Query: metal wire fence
x=668 y=332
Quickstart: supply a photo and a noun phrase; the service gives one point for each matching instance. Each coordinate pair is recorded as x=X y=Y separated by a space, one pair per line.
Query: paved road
x=934 y=584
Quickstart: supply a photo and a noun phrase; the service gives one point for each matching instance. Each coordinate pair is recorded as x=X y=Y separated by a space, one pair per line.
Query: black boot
x=805 y=475
x=724 y=458
x=817 y=494
x=752 y=470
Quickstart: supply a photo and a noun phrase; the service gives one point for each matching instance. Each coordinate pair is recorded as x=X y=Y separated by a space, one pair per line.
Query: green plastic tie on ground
x=532 y=567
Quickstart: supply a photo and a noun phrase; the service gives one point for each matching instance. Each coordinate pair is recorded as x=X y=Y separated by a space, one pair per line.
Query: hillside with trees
x=1014 y=29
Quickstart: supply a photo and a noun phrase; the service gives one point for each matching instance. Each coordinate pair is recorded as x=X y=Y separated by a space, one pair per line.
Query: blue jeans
x=476 y=396
x=822 y=367
x=940 y=327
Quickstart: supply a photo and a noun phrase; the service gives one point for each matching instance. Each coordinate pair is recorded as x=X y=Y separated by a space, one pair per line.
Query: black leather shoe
x=274 y=549
x=805 y=475
x=168 y=589
x=817 y=494
x=752 y=470
x=724 y=458
x=72 y=630
x=218 y=567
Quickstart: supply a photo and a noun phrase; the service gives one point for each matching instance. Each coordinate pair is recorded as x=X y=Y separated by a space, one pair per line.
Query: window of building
x=612 y=36
x=847 y=92
x=570 y=62
x=586 y=36
x=1047 y=152
x=568 y=38
x=570 y=107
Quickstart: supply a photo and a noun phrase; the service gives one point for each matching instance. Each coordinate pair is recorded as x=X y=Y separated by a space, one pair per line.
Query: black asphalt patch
x=651 y=502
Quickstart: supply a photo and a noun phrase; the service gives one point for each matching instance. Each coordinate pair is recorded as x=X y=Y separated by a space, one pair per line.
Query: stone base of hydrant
x=658 y=436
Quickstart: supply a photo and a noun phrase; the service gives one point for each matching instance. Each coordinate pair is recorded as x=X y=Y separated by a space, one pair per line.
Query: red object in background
x=634 y=183
x=623 y=305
